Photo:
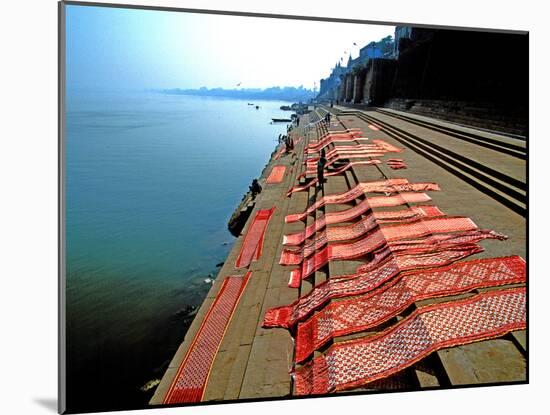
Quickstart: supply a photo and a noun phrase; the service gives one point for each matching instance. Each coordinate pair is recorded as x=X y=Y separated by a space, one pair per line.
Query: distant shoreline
x=290 y=94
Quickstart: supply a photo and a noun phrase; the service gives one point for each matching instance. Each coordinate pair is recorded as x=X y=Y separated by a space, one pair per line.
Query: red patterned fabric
x=396 y=164
x=276 y=175
x=357 y=149
x=376 y=239
x=251 y=248
x=379 y=145
x=334 y=138
x=384 y=186
x=365 y=150
x=385 y=235
x=311 y=166
x=317 y=261
x=387 y=146
x=384 y=266
x=367 y=311
x=401 y=216
x=355 y=363
x=375 y=202
x=335 y=155
x=358 y=144
x=350 y=155
x=192 y=375
x=429 y=242
x=340 y=170
x=408 y=214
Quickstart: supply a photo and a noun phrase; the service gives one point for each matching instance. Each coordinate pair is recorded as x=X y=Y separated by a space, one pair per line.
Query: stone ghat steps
x=410 y=378
x=507 y=121
x=255 y=362
x=486 y=172
x=502 y=144
x=496 y=360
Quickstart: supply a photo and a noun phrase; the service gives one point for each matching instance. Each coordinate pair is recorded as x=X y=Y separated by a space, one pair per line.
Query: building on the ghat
x=460 y=76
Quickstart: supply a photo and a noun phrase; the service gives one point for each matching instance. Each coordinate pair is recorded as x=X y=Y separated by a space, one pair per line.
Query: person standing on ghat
x=290 y=143
x=255 y=188
x=321 y=169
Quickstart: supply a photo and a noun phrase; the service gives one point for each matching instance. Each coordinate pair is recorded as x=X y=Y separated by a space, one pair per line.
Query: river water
x=151 y=181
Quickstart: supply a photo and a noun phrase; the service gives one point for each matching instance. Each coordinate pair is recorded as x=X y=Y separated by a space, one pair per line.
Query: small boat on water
x=250 y=103
x=281 y=120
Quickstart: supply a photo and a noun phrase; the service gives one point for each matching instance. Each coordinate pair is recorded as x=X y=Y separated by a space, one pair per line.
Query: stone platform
x=254 y=363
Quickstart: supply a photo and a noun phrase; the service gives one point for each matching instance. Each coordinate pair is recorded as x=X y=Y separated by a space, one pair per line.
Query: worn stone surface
x=489 y=361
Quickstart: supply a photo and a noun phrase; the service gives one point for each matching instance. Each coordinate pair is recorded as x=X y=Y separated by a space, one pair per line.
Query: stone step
x=500 y=143
x=503 y=188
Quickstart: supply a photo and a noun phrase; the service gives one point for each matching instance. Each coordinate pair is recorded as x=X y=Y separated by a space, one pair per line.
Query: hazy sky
x=139 y=49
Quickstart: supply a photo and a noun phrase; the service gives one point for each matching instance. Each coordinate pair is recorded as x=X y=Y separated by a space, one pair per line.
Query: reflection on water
x=152 y=180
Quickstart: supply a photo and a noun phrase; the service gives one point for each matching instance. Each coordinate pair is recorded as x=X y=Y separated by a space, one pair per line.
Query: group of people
x=255 y=188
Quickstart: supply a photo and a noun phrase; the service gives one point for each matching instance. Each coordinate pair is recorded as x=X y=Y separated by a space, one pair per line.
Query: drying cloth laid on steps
x=192 y=376
x=339 y=170
x=367 y=311
x=374 y=240
x=383 y=186
x=387 y=146
x=419 y=228
x=345 y=155
x=336 y=154
x=374 y=146
x=352 y=130
x=396 y=164
x=335 y=137
x=360 y=148
x=373 y=202
x=430 y=242
x=384 y=266
x=357 y=362
x=323 y=144
x=276 y=175
x=380 y=145
x=374 y=127
x=251 y=248
x=311 y=167
x=399 y=216
x=352 y=164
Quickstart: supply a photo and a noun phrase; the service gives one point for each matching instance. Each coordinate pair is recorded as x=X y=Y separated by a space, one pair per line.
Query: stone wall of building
x=358 y=86
x=430 y=68
x=378 y=81
x=463 y=65
x=348 y=88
